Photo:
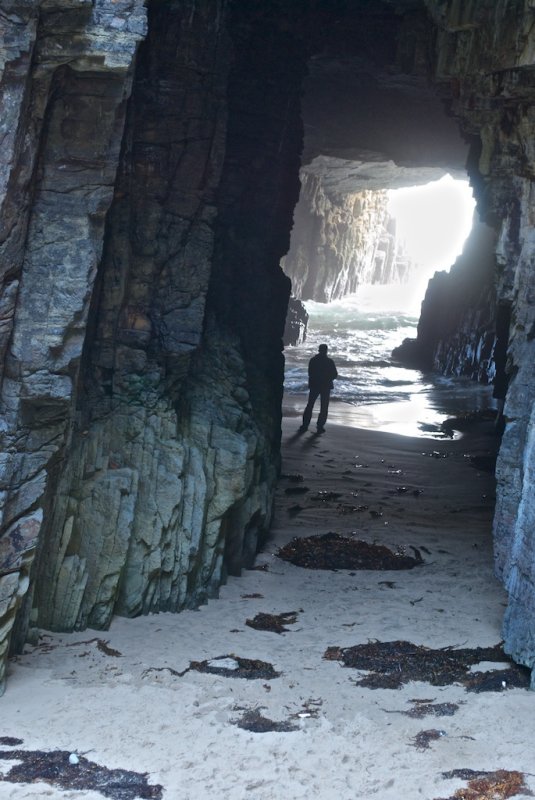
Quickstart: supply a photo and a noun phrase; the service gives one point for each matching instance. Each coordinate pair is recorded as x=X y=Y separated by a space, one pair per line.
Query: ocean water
x=371 y=391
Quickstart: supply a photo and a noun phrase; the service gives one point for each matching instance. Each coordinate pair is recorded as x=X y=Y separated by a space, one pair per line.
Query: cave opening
x=377 y=131
x=364 y=304
x=361 y=260
x=432 y=223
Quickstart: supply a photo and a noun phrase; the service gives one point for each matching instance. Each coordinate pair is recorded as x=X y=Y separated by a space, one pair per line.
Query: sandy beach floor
x=126 y=698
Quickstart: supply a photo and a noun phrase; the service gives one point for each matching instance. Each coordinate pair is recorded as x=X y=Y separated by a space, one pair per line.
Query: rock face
x=457 y=326
x=142 y=366
x=295 y=329
x=334 y=241
x=487 y=55
x=148 y=174
x=343 y=235
x=66 y=73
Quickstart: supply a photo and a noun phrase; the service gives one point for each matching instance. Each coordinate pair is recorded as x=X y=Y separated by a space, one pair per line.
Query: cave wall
x=66 y=73
x=336 y=242
x=457 y=328
x=128 y=530
x=486 y=54
x=143 y=304
x=295 y=327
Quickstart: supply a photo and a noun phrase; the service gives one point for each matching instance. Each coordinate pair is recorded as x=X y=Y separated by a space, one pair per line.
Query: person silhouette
x=321 y=374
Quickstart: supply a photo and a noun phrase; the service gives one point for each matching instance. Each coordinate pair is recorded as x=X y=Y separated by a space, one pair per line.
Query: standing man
x=321 y=374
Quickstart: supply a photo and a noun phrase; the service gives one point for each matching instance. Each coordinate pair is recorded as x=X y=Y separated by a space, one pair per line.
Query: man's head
x=322 y=349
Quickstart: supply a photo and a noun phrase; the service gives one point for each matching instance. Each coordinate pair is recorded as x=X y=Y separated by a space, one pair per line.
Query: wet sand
x=125 y=698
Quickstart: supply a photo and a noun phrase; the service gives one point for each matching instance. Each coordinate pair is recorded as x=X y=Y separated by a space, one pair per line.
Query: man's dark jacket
x=321 y=372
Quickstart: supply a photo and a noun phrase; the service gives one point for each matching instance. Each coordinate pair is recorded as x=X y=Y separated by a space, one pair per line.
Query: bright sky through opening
x=433 y=220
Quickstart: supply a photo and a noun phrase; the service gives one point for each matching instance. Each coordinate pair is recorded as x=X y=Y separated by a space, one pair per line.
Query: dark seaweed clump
x=392 y=664
x=422 y=739
x=254 y=722
x=431 y=709
x=332 y=551
x=498 y=785
x=53 y=767
x=276 y=623
x=246 y=668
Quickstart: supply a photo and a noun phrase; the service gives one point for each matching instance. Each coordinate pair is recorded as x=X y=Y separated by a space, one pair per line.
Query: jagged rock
x=456 y=330
x=152 y=453
x=295 y=329
x=343 y=235
x=65 y=74
x=334 y=241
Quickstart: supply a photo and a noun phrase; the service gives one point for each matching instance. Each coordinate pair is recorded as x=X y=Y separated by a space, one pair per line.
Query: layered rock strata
x=342 y=234
x=66 y=76
x=143 y=366
x=486 y=54
x=334 y=241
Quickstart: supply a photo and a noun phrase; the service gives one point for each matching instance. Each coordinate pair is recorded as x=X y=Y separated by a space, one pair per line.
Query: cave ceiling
x=372 y=118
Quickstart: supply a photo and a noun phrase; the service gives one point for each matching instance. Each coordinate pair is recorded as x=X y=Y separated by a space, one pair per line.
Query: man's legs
x=307 y=413
x=322 y=418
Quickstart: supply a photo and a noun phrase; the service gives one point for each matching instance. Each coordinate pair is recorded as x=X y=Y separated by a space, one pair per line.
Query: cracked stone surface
x=66 y=72
x=140 y=394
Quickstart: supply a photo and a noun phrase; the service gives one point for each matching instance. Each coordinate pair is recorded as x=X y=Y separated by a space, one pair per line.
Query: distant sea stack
x=295 y=329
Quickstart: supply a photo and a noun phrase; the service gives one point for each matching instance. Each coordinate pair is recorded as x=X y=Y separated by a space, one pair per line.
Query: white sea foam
x=361 y=331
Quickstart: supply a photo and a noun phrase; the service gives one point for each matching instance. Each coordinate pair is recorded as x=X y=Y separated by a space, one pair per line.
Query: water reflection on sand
x=422 y=414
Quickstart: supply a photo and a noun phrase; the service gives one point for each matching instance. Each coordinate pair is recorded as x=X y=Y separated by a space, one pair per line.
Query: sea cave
x=156 y=159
